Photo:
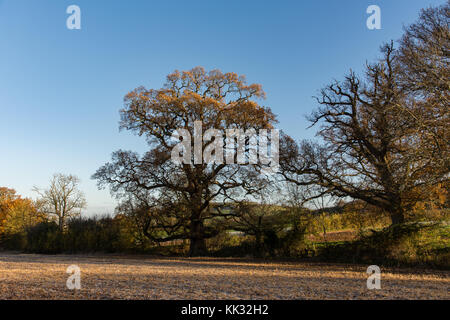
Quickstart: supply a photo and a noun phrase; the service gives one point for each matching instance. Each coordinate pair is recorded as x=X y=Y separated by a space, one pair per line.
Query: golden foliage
x=16 y=213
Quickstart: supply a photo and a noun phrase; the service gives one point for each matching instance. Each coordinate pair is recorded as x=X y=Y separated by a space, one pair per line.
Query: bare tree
x=320 y=200
x=424 y=59
x=257 y=219
x=372 y=149
x=62 y=200
x=424 y=55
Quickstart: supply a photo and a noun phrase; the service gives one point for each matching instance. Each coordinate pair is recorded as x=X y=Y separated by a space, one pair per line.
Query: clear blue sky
x=61 y=90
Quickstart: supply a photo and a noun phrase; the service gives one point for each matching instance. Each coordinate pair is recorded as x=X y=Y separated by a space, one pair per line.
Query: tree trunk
x=61 y=224
x=259 y=245
x=197 y=246
x=397 y=215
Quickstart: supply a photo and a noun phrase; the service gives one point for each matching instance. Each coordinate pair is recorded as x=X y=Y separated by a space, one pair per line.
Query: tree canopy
x=181 y=193
x=384 y=137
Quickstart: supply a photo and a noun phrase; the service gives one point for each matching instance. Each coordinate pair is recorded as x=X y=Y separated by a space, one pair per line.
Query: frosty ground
x=24 y=276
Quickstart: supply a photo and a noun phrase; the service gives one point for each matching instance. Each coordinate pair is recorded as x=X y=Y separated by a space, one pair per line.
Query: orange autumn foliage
x=16 y=213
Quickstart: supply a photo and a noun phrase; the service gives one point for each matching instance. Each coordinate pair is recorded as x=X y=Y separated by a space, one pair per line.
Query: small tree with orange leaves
x=16 y=213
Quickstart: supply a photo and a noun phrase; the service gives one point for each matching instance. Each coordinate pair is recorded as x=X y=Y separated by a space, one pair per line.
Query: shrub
x=44 y=237
x=92 y=235
x=406 y=244
x=15 y=241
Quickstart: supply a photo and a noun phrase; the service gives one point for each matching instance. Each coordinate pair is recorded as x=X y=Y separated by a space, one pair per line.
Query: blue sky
x=61 y=90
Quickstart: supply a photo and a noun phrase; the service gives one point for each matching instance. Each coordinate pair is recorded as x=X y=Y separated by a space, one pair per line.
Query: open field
x=136 y=277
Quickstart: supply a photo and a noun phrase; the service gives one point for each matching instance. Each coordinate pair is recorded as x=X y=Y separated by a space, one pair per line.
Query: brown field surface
x=139 y=277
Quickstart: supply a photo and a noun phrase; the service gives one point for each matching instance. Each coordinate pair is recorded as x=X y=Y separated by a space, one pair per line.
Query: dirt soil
x=140 y=277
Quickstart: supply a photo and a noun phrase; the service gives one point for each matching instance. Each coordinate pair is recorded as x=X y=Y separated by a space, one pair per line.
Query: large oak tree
x=372 y=149
x=176 y=198
x=386 y=136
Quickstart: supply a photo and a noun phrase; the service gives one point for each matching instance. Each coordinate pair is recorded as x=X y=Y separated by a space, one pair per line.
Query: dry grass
x=342 y=235
x=122 y=277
